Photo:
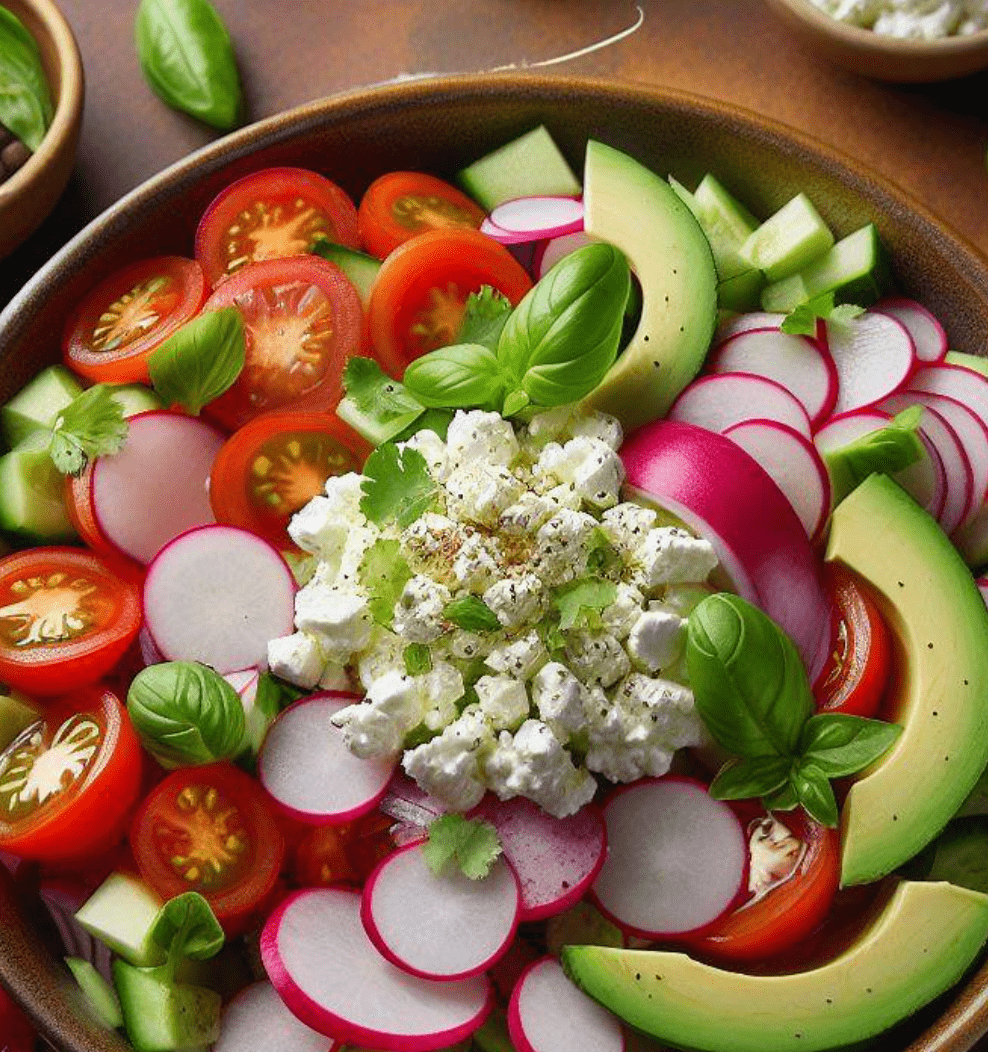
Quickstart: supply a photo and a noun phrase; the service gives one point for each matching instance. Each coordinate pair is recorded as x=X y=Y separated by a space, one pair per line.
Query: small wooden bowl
x=883 y=57
x=30 y=193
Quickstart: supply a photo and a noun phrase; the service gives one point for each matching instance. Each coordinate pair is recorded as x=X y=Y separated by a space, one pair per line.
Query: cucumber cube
x=121 y=912
x=789 y=240
x=161 y=1015
x=37 y=404
x=32 y=503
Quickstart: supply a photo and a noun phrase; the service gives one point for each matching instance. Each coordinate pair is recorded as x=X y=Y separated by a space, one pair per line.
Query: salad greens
x=801 y=321
x=752 y=693
x=91 y=425
x=471 y=844
x=472 y=614
x=417 y=658
x=397 y=485
x=581 y=602
x=373 y=395
x=25 y=98
x=383 y=574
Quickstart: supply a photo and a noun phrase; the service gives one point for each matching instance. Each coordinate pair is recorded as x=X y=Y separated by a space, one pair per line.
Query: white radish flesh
x=535 y=218
x=793 y=464
x=257 y=1019
x=796 y=362
x=556 y=859
x=929 y=339
x=440 y=926
x=750 y=322
x=309 y=772
x=331 y=976
x=676 y=858
x=548 y=1013
x=873 y=354
x=553 y=250
x=725 y=399
x=155 y=487
x=217 y=594
x=957 y=382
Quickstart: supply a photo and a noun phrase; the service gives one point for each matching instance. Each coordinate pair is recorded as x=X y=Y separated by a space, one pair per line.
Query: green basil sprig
x=25 y=99
x=186 y=54
x=199 y=361
x=752 y=693
x=456 y=377
x=186 y=926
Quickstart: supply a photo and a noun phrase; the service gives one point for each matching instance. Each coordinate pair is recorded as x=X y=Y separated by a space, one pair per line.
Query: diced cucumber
x=360 y=268
x=726 y=211
x=160 y=1015
x=741 y=293
x=854 y=270
x=121 y=912
x=100 y=995
x=16 y=715
x=788 y=240
x=968 y=361
x=136 y=398
x=529 y=166
x=375 y=428
x=32 y=502
x=36 y=405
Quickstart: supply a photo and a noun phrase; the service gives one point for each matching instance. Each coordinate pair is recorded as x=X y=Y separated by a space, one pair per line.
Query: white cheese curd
x=916 y=19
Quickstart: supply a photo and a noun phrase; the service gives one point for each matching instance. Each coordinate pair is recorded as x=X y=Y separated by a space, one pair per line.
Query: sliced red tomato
x=399 y=205
x=210 y=829
x=15 y=1030
x=272 y=214
x=277 y=463
x=795 y=869
x=66 y=617
x=855 y=676
x=302 y=321
x=346 y=853
x=69 y=781
x=421 y=290
x=110 y=335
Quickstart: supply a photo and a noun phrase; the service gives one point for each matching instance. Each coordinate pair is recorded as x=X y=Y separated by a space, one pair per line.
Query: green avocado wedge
x=937 y=615
x=638 y=212
x=921 y=943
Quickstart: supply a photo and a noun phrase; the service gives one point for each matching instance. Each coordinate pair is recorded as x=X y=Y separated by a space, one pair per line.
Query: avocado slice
x=635 y=210
x=921 y=943
x=932 y=605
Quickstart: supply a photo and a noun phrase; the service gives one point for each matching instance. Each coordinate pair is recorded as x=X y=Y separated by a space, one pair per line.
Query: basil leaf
x=748 y=680
x=186 y=926
x=581 y=602
x=484 y=316
x=25 y=98
x=783 y=799
x=744 y=779
x=462 y=376
x=199 y=361
x=471 y=614
x=839 y=744
x=813 y=790
x=186 y=714
x=563 y=337
x=187 y=57
x=437 y=420
x=515 y=402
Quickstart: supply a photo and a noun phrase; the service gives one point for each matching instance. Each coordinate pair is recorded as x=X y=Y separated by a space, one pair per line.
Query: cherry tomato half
x=210 y=829
x=421 y=290
x=302 y=321
x=277 y=463
x=399 y=205
x=346 y=853
x=110 y=335
x=15 y=1030
x=65 y=618
x=271 y=214
x=68 y=782
x=854 y=678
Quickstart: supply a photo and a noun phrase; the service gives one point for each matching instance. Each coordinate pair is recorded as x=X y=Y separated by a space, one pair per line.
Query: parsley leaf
x=373 y=397
x=397 y=485
x=472 y=844
x=91 y=425
x=484 y=317
x=471 y=614
x=581 y=602
x=383 y=575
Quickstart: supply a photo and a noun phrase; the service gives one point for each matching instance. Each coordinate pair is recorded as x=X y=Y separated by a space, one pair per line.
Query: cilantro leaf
x=472 y=614
x=801 y=321
x=471 y=844
x=581 y=602
x=383 y=575
x=484 y=317
x=417 y=658
x=91 y=425
x=374 y=398
x=397 y=485
x=602 y=556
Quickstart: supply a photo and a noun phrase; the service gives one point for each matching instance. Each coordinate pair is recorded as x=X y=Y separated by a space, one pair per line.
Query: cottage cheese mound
x=911 y=19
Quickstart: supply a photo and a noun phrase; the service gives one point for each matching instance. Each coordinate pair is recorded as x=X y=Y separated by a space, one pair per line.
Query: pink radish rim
x=895 y=303
x=707 y=378
x=540 y=233
x=938 y=400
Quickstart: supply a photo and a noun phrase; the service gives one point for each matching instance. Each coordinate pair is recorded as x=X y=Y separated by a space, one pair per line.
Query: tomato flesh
x=346 y=853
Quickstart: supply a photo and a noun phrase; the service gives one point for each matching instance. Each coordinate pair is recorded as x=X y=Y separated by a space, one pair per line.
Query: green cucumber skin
x=37 y=404
x=100 y=995
x=161 y=1015
x=32 y=504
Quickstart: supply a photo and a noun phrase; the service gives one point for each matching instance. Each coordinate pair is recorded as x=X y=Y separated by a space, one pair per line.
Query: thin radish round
x=676 y=858
x=749 y=322
x=929 y=339
x=411 y=807
x=331 y=976
x=873 y=354
x=155 y=487
x=803 y=369
x=793 y=464
x=537 y=218
x=556 y=859
x=257 y=1019
x=972 y=538
x=217 y=594
x=720 y=401
x=957 y=382
x=243 y=681
x=309 y=772
x=150 y=654
x=440 y=926
x=553 y=250
x=548 y=1013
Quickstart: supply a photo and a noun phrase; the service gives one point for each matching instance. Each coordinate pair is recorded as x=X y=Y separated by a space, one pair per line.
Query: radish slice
x=535 y=218
x=257 y=1018
x=150 y=654
x=217 y=594
x=155 y=487
x=244 y=682
x=873 y=354
x=793 y=464
x=553 y=250
x=411 y=807
x=556 y=859
x=725 y=399
x=724 y=495
x=440 y=926
x=929 y=339
x=957 y=382
x=309 y=772
x=548 y=1013
x=330 y=975
x=676 y=858
x=63 y=900
x=797 y=363
x=750 y=322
